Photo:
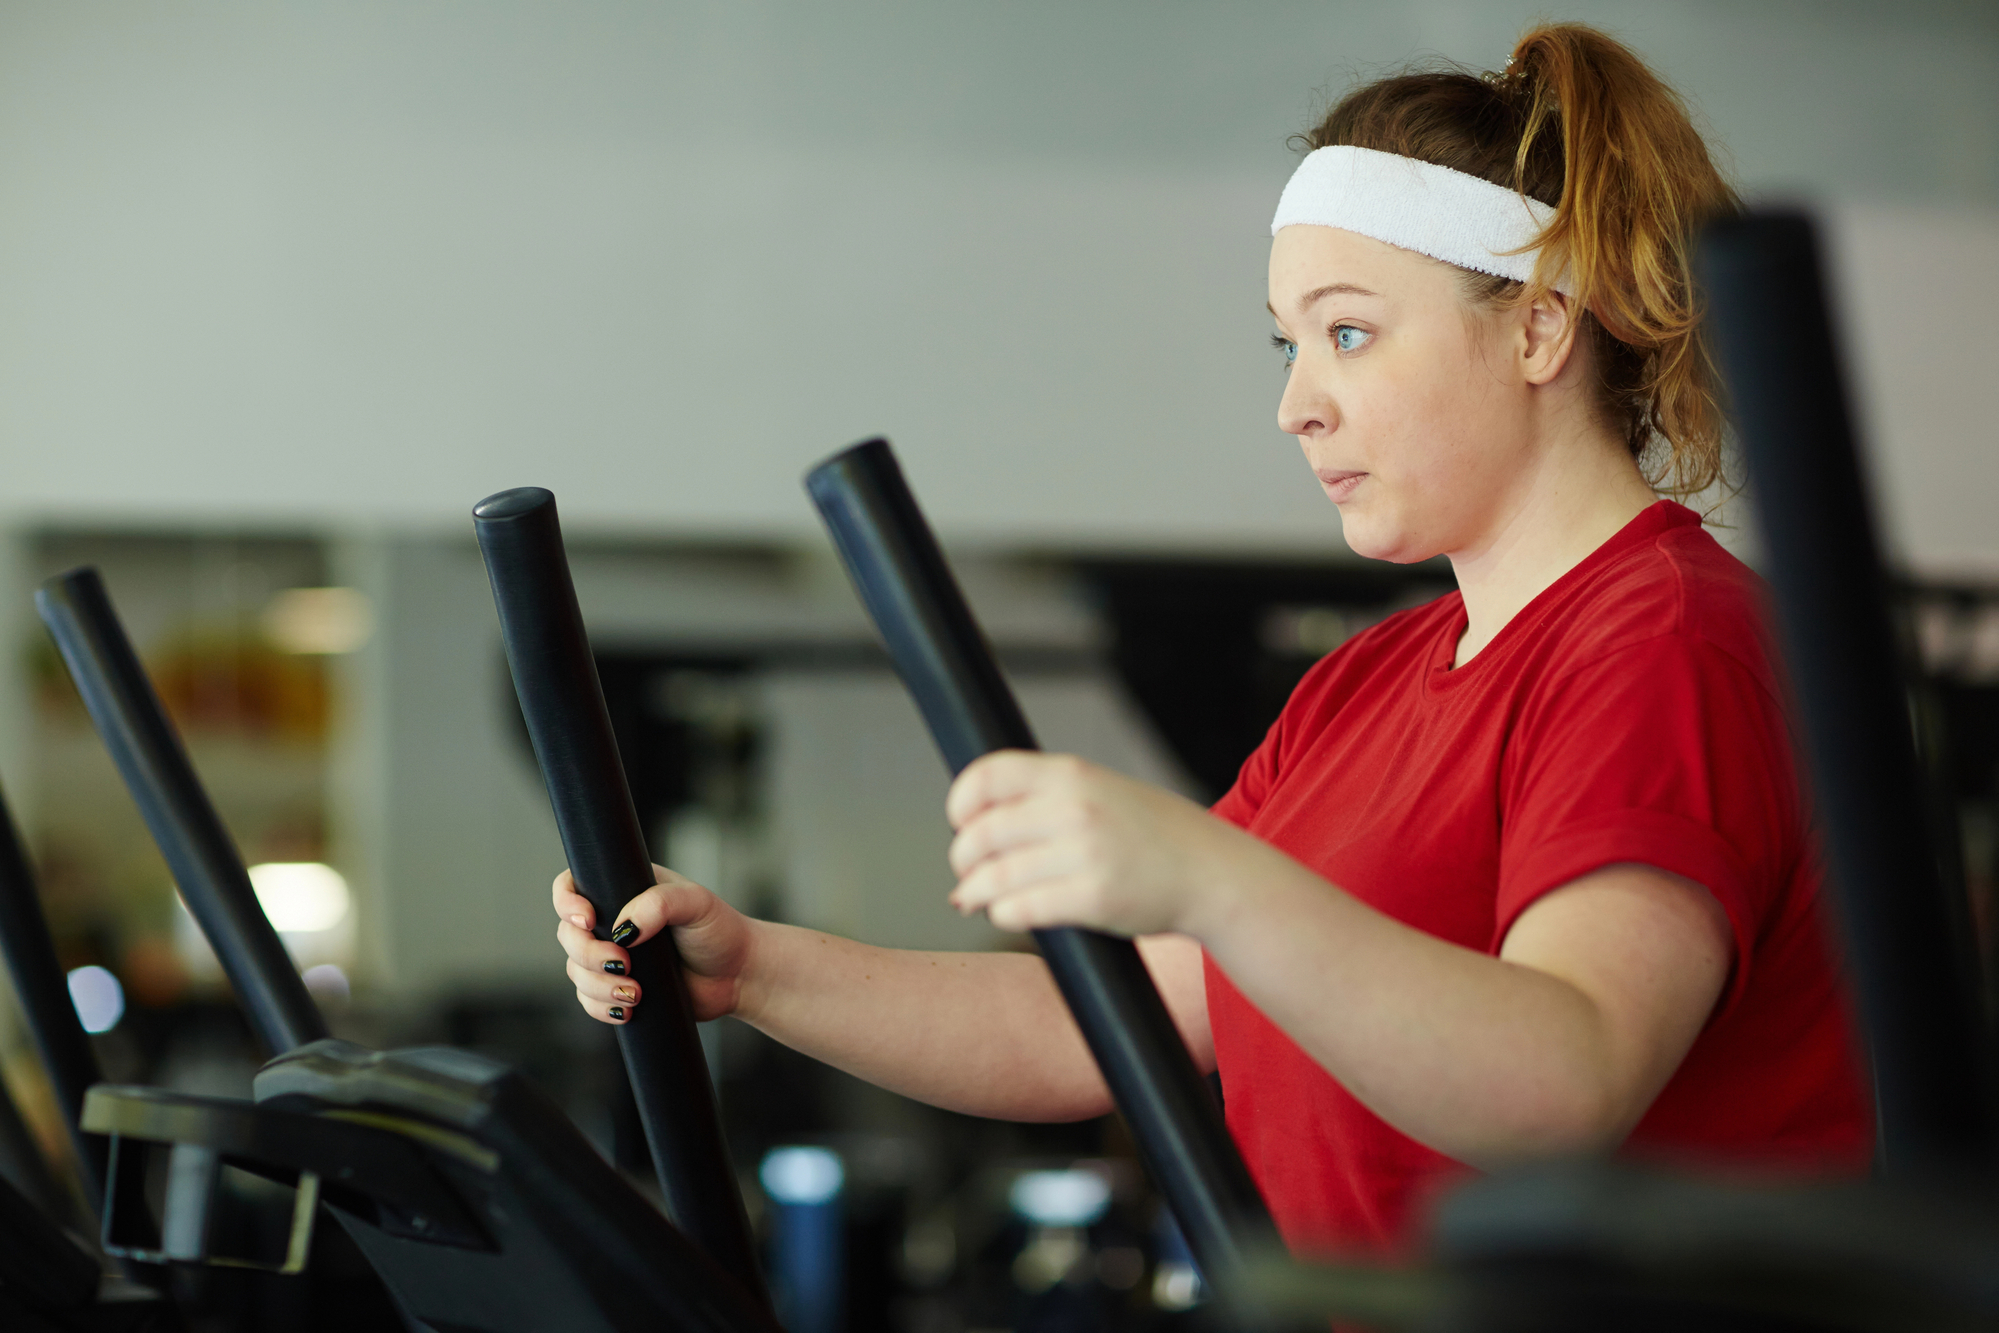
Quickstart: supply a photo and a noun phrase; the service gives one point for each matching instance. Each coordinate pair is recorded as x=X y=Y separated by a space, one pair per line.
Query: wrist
x=755 y=978
x=1236 y=885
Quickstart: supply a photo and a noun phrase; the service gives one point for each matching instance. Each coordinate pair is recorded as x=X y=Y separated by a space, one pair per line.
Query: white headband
x=1418 y=206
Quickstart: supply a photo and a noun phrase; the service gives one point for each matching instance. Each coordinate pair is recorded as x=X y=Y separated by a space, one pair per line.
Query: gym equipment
x=1905 y=935
x=177 y=811
x=943 y=659
x=555 y=678
x=23 y=1166
x=46 y=1279
x=43 y=992
x=474 y=1198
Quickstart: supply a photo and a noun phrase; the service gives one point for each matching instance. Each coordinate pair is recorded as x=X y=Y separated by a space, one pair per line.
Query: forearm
x=1482 y=1059
x=1559 y=1044
x=979 y=1033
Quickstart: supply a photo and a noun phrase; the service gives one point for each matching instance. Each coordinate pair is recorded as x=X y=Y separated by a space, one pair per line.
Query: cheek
x=1441 y=417
x=1400 y=422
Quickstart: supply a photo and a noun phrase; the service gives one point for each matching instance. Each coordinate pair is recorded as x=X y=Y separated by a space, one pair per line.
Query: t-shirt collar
x=1657 y=518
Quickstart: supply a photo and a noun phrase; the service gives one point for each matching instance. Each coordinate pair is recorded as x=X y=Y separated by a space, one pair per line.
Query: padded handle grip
x=948 y=667
x=562 y=699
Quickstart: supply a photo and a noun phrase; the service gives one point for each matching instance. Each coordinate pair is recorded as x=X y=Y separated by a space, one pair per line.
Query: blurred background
x=285 y=289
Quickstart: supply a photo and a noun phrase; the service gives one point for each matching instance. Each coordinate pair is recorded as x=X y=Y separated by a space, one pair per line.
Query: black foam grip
x=1772 y=331
x=562 y=700
x=190 y=835
x=949 y=669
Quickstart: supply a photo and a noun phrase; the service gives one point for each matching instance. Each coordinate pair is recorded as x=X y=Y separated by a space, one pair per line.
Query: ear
x=1547 y=338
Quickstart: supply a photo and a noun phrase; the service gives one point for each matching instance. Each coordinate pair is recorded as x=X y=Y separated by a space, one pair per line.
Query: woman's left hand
x=1052 y=840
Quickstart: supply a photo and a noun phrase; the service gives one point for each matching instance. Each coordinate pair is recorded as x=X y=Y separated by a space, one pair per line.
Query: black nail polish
x=618 y=1014
x=624 y=934
x=614 y=967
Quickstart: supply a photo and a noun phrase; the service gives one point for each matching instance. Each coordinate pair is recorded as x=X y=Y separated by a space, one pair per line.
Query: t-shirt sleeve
x=1670 y=753
x=1240 y=802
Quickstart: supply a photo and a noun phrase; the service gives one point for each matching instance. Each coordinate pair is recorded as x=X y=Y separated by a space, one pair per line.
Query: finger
x=1057 y=902
x=614 y=1014
x=587 y=951
x=1005 y=775
x=603 y=987
x=1013 y=873
x=674 y=901
x=572 y=906
x=1000 y=829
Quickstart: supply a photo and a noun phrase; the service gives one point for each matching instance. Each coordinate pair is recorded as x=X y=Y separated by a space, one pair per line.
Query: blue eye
x=1286 y=346
x=1350 y=339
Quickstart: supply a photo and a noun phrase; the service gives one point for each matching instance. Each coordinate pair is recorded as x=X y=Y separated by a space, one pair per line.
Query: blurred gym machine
x=48 y=1278
x=475 y=1200
x=455 y=1182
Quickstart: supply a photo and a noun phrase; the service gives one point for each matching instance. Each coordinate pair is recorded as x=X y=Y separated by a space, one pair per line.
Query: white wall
x=442 y=827
x=1918 y=291
x=371 y=260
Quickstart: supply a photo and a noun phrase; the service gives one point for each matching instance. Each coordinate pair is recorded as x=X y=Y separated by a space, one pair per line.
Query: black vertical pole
x=563 y=702
x=43 y=991
x=198 y=849
x=948 y=667
x=23 y=1166
x=1772 y=331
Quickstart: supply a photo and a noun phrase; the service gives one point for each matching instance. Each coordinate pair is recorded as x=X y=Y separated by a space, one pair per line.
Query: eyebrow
x=1318 y=294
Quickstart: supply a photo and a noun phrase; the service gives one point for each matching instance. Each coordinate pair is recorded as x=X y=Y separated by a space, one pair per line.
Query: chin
x=1373 y=538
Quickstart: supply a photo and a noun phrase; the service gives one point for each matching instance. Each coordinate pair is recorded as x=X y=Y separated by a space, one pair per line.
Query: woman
x=1522 y=871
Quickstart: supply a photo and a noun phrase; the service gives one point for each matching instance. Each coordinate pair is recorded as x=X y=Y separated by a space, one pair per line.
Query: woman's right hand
x=713 y=937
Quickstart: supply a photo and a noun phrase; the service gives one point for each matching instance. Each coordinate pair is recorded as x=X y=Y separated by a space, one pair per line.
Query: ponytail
x=1578 y=122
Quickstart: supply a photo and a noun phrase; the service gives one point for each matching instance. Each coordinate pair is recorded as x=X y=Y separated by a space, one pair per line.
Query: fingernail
x=624 y=933
x=614 y=967
x=626 y=993
x=618 y=1014
x=580 y=921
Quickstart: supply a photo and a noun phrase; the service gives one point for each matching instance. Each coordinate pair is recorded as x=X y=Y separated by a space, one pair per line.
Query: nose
x=1306 y=409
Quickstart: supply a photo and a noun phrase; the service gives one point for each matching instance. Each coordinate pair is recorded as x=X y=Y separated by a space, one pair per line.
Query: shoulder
x=1674 y=593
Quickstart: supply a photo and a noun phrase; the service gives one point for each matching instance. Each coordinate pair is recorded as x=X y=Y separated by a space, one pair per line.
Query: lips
x=1339 y=484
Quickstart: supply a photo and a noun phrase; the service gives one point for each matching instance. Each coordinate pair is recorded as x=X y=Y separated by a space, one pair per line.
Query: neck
x=1582 y=495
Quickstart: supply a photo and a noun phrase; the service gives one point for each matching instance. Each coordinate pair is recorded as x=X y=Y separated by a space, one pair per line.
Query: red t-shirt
x=1628 y=714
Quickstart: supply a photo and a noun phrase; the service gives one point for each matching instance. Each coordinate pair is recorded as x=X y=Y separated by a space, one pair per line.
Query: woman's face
x=1410 y=405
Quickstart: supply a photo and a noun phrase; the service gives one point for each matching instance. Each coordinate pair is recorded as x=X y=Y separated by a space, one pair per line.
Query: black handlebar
x=43 y=991
x=1904 y=934
x=948 y=667
x=563 y=702
x=198 y=849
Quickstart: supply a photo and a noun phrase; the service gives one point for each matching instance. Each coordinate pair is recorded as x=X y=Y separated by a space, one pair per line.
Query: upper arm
x=1650 y=950
x=1176 y=967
